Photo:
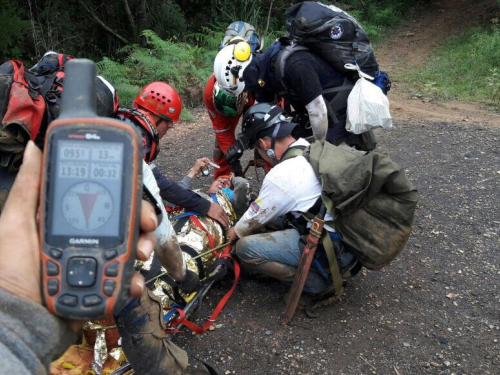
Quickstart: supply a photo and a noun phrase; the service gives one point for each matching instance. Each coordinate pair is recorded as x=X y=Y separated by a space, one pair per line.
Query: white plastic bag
x=367 y=106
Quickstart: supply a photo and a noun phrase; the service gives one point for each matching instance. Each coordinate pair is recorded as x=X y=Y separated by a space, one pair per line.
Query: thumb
x=23 y=198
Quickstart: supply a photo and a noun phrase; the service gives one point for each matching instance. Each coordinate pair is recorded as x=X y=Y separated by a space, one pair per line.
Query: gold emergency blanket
x=191 y=235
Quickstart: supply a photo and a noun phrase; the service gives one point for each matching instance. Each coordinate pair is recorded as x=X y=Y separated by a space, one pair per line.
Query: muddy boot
x=349 y=265
x=141 y=327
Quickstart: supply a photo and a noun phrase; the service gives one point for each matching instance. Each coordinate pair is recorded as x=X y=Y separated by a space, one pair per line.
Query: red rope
x=195 y=220
x=200 y=330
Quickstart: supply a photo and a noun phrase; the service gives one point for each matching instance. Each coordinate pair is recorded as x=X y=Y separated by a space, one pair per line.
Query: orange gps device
x=90 y=204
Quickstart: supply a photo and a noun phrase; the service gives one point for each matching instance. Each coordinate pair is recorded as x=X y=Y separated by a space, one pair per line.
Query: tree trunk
x=131 y=20
x=102 y=24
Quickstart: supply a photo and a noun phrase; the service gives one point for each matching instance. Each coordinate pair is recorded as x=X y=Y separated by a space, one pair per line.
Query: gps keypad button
x=109 y=287
x=110 y=254
x=52 y=286
x=91 y=300
x=68 y=300
x=54 y=253
x=81 y=271
x=112 y=269
x=52 y=268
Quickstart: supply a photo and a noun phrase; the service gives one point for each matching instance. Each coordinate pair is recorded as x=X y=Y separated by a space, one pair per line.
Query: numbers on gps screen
x=73 y=171
x=103 y=154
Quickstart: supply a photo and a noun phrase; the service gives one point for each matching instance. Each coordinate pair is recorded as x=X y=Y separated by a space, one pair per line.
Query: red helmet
x=161 y=99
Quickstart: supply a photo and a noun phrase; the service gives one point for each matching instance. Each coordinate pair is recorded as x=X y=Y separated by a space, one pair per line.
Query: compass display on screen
x=87 y=206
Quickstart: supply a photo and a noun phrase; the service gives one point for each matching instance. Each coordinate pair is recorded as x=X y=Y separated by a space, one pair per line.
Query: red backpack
x=33 y=102
x=22 y=110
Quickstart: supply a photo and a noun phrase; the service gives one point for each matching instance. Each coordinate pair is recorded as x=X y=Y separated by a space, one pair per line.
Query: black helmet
x=260 y=120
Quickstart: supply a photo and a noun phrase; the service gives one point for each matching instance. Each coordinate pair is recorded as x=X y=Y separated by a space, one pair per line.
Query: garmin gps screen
x=87 y=190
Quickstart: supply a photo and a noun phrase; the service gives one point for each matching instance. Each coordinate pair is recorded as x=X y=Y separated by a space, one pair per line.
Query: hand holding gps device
x=90 y=204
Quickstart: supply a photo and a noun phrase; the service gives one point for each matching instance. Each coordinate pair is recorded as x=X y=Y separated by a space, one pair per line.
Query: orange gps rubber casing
x=90 y=205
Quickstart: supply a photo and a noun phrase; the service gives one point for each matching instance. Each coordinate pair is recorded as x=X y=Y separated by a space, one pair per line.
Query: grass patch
x=466 y=68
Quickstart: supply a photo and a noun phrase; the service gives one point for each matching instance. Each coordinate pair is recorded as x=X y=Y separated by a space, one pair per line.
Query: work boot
x=310 y=302
x=142 y=330
x=348 y=264
x=326 y=297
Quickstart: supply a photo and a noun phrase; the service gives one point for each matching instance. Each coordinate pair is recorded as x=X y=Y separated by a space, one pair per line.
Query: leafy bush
x=13 y=29
x=465 y=68
x=182 y=65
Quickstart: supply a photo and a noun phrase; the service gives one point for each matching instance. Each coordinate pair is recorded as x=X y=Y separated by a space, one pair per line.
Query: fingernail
x=28 y=151
x=147 y=247
x=154 y=218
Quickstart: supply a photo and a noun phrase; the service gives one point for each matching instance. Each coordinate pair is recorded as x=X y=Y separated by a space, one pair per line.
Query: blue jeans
x=277 y=255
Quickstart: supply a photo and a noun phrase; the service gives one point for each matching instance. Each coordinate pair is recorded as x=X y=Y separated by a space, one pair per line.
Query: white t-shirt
x=289 y=186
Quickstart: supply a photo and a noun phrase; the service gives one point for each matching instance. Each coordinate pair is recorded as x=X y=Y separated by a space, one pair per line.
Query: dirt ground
x=436 y=308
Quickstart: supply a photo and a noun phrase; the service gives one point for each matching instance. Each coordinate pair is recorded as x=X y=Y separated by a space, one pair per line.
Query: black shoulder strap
x=279 y=68
x=339 y=100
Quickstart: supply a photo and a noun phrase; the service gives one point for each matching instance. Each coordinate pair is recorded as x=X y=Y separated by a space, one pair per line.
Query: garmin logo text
x=84 y=241
x=92 y=136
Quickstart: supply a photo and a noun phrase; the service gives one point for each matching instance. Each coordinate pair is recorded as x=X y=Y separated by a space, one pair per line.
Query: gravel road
x=435 y=309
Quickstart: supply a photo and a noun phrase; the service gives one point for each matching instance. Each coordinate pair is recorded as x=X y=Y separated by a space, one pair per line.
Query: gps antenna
x=79 y=95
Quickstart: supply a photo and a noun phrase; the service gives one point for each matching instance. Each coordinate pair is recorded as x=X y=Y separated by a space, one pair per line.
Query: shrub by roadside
x=467 y=68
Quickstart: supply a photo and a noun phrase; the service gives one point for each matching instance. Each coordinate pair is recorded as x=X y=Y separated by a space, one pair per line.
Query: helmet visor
x=226 y=104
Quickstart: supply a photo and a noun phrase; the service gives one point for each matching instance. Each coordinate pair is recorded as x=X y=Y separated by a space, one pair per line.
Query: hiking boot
x=326 y=298
x=348 y=264
x=141 y=327
x=318 y=300
x=304 y=300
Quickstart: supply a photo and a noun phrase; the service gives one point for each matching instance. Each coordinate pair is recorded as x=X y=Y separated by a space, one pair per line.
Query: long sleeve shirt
x=30 y=336
x=174 y=193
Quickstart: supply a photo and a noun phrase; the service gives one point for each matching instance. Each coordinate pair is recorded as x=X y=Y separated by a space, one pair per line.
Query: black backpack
x=332 y=34
x=49 y=72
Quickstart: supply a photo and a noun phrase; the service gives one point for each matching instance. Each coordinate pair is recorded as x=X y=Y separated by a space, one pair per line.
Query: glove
x=302 y=119
x=234 y=153
x=237 y=169
x=190 y=283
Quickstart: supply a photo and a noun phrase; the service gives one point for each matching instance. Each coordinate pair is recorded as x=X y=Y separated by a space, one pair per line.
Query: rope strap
x=205 y=327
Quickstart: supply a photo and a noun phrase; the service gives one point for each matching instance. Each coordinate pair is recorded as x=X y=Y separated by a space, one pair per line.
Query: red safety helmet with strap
x=161 y=99
x=144 y=120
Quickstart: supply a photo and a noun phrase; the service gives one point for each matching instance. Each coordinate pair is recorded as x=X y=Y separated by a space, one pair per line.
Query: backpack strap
x=337 y=280
x=279 y=67
x=292 y=152
x=339 y=100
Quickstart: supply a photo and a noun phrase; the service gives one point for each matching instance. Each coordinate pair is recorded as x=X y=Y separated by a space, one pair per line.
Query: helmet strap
x=273 y=140
x=270 y=152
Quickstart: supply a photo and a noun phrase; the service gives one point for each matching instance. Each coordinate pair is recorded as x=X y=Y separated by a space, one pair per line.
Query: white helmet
x=229 y=65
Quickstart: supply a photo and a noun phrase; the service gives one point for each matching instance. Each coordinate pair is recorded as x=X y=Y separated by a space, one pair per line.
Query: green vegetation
x=377 y=16
x=139 y=41
x=189 y=64
x=467 y=67
x=182 y=65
